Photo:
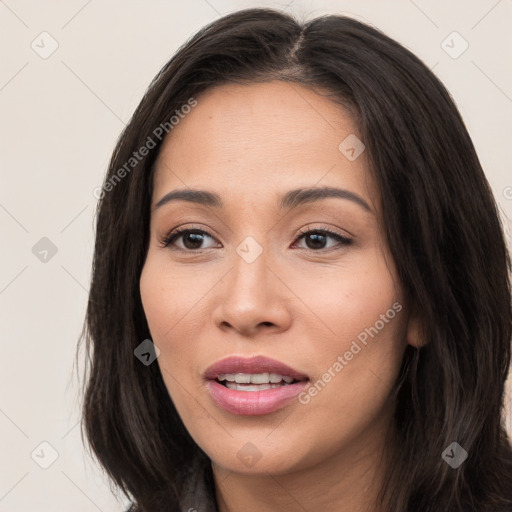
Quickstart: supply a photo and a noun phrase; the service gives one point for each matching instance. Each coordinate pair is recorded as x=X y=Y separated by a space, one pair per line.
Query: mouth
x=253 y=386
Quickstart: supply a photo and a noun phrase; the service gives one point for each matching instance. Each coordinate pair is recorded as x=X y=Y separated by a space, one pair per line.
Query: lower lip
x=252 y=403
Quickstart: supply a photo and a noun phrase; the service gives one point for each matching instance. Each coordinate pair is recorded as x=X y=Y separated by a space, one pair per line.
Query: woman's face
x=247 y=282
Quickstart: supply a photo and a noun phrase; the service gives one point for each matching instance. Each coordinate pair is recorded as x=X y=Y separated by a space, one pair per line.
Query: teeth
x=259 y=378
x=255 y=378
x=255 y=387
x=227 y=376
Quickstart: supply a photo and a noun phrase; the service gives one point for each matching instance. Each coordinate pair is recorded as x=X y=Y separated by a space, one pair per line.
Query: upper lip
x=252 y=365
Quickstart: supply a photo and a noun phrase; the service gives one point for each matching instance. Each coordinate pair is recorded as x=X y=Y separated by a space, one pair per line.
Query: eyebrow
x=289 y=200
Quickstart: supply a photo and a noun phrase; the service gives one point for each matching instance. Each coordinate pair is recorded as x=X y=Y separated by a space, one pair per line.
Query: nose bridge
x=250 y=269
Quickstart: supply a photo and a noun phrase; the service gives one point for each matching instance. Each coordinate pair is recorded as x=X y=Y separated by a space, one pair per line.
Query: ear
x=414 y=334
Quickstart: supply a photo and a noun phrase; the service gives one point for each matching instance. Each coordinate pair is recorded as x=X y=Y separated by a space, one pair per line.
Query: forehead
x=258 y=139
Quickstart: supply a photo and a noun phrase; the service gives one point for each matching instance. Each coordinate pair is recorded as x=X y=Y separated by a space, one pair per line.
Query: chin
x=264 y=454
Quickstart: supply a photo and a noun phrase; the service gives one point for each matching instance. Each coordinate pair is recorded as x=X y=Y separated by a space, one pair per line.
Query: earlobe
x=414 y=335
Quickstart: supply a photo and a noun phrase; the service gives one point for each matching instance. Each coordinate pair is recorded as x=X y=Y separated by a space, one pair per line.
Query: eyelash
x=175 y=234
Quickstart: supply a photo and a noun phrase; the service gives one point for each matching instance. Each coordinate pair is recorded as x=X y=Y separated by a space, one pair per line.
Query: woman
x=301 y=295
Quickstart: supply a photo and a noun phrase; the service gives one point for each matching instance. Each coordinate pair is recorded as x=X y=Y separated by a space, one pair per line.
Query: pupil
x=315 y=237
x=196 y=242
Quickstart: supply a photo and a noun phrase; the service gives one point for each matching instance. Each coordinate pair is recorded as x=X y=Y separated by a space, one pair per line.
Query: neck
x=347 y=481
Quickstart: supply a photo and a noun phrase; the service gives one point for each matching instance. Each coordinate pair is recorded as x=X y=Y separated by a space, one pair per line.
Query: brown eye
x=316 y=239
x=191 y=239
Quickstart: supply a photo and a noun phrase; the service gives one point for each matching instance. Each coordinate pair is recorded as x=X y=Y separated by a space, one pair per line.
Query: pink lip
x=253 y=402
x=256 y=364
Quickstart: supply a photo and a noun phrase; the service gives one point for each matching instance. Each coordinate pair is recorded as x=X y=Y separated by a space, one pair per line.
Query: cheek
x=357 y=362
x=348 y=300
x=173 y=309
x=172 y=299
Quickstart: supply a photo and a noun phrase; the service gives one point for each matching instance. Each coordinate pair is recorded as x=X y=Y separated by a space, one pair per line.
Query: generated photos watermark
x=355 y=347
x=158 y=133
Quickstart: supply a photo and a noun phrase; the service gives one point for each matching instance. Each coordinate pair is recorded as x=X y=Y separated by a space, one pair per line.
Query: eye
x=317 y=238
x=191 y=239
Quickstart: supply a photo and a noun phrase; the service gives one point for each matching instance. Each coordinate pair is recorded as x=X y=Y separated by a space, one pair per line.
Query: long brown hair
x=442 y=228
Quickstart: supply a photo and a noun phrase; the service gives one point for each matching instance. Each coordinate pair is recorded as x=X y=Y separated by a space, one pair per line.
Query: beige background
x=60 y=118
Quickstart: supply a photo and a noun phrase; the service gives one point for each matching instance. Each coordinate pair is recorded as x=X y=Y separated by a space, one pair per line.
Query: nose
x=252 y=298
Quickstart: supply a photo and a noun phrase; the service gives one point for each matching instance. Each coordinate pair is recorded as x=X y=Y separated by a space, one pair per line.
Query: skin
x=298 y=302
